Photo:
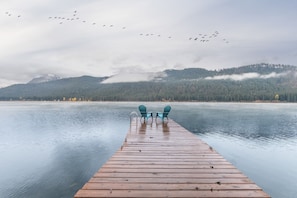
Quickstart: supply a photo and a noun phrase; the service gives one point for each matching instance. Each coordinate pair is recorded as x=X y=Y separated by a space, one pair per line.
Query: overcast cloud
x=245 y=76
x=123 y=37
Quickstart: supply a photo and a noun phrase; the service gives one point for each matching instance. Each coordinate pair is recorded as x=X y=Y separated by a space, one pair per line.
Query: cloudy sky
x=122 y=37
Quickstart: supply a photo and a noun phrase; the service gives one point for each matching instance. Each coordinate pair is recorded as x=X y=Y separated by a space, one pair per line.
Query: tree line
x=273 y=89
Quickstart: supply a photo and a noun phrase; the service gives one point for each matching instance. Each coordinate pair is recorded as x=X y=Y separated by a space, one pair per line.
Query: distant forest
x=183 y=85
x=202 y=90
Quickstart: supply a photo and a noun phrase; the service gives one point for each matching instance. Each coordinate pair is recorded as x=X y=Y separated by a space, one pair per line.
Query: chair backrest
x=166 y=110
x=142 y=110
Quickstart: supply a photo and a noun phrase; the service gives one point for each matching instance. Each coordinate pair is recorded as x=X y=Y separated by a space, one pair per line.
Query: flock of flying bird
x=11 y=14
x=75 y=17
x=202 y=38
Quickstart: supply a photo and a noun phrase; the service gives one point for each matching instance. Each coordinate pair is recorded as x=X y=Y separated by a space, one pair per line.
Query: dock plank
x=170 y=193
x=143 y=186
x=165 y=160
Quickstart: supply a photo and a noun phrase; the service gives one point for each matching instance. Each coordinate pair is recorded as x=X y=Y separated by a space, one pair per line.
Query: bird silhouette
x=202 y=37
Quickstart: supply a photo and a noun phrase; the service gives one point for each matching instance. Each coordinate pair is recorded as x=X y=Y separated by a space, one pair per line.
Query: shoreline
x=112 y=101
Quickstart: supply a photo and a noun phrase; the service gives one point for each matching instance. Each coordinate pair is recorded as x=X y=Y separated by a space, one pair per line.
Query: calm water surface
x=51 y=149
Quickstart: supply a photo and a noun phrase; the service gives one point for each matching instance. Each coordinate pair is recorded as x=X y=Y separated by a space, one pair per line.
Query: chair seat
x=164 y=114
x=159 y=114
x=149 y=114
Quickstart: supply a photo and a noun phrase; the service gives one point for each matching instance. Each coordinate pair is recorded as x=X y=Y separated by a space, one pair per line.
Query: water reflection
x=142 y=128
x=144 y=125
x=165 y=128
x=164 y=125
x=52 y=149
x=71 y=165
x=259 y=139
x=264 y=124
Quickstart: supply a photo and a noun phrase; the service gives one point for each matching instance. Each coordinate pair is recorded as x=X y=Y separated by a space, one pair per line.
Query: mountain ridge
x=44 y=78
x=265 y=82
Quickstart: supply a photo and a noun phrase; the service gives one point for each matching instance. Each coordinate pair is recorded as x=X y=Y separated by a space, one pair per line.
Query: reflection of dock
x=166 y=160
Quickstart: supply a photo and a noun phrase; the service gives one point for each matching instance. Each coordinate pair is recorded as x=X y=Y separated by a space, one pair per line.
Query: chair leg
x=143 y=119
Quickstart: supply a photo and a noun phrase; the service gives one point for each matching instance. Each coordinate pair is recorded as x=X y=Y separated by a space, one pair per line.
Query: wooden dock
x=166 y=160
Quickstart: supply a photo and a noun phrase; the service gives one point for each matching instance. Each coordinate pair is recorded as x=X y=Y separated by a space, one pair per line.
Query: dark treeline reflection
x=52 y=149
x=240 y=120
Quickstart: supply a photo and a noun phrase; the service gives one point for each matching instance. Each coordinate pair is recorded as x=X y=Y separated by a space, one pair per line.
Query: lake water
x=50 y=149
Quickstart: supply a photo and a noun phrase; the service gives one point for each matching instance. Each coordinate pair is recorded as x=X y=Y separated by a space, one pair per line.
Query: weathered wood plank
x=147 y=153
x=168 y=165
x=169 y=175
x=243 y=180
x=167 y=170
x=165 y=160
x=149 y=186
x=170 y=193
x=158 y=157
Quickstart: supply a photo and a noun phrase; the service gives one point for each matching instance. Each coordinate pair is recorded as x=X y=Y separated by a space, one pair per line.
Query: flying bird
x=202 y=37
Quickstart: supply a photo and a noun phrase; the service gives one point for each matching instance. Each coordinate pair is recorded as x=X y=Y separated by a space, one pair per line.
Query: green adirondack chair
x=144 y=114
x=165 y=113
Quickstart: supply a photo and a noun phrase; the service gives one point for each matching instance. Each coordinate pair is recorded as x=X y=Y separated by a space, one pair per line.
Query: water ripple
x=44 y=142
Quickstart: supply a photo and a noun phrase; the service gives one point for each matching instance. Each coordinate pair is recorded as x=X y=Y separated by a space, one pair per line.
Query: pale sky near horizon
x=122 y=37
